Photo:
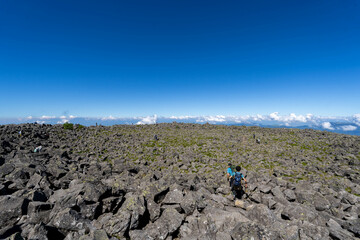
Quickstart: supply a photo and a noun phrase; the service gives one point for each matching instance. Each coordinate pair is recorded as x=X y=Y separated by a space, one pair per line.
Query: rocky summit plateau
x=167 y=181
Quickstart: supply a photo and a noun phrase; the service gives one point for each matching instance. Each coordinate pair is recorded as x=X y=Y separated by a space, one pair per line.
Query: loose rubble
x=167 y=181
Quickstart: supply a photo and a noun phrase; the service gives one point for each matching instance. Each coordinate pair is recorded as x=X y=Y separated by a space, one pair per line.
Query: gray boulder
x=11 y=209
x=69 y=220
x=337 y=232
x=167 y=224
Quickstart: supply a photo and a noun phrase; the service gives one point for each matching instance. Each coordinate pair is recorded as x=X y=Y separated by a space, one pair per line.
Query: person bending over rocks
x=236 y=186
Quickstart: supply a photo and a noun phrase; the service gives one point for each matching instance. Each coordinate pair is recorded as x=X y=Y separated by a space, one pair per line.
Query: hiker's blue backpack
x=237 y=180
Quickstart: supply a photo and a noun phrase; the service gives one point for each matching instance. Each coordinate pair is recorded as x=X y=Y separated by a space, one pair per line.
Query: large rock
x=69 y=220
x=173 y=197
x=253 y=231
x=308 y=230
x=38 y=232
x=39 y=212
x=337 y=232
x=210 y=223
x=290 y=195
x=154 y=210
x=11 y=209
x=95 y=191
x=169 y=222
x=189 y=203
x=298 y=212
x=116 y=224
x=261 y=214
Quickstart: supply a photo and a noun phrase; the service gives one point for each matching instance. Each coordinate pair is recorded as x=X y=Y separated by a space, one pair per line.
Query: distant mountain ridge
x=345 y=125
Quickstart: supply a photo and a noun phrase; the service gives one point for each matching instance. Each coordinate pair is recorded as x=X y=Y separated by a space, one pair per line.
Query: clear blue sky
x=136 y=58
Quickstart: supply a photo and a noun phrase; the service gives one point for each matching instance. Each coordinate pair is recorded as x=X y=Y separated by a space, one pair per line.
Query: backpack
x=237 y=181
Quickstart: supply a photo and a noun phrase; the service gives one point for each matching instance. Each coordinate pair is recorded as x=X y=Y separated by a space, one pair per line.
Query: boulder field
x=167 y=181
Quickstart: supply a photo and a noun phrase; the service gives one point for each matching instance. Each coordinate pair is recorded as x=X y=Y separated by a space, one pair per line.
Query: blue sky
x=179 y=58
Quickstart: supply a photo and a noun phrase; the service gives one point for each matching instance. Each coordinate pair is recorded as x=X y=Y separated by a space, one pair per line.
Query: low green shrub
x=68 y=126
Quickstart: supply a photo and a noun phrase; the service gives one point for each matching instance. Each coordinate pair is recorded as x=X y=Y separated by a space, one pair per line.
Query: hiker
x=37 y=149
x=230 y=173
x=236 y=187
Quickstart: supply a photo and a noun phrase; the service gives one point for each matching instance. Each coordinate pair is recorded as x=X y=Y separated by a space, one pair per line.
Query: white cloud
x=274 y=116
x=148 y=120
x=108 y=118
x=181 y=117
x=29 y=117
x=259 y=117
x=288 y=118
x=218 y=118
x=64 y=117
x=327 y=125
x=348 y=128
x=40 y=122
x=47 y=117
x=63 y=121
x=356 y=119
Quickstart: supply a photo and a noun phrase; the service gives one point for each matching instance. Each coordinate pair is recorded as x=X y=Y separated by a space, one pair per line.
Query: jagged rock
x=298 y=212
x=349 y=198
x=34 y=181
x=168 y=223
x=290 y=195
x=173 y=197
x=265 y=189
x=154 y=210
x=320 y=202
x=352 y=226
x=111 y=204
x=39 y=212
x=69 y=220
x=189 y=203
x=136 y=206
x=94 y=191
x=11 y=209
x=290 y=232
x=6 y=169
x=93 y=235
x=214 y=221
x=252 y=231
x=337 y=232
x=304 y=195
x=256 y=197
x=261 y=214
x=90 y=211
x=308 y=230
x=38 y=232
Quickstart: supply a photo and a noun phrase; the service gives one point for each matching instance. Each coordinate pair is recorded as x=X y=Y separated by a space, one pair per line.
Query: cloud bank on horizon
x=338 y=124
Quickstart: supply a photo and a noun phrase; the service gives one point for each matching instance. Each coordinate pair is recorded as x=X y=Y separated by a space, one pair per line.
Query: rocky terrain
x=167 y=181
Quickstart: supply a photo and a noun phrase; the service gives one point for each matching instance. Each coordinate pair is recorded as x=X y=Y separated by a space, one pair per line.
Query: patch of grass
x=79 y=126
x=68 y=126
